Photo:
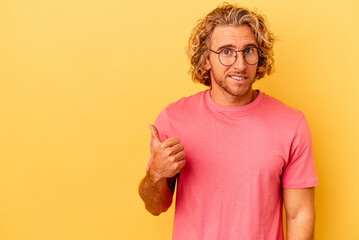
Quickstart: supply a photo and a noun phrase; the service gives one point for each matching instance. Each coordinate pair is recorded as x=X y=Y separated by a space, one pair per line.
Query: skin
x=224 y=89
x=157 y=188
x=300 y=213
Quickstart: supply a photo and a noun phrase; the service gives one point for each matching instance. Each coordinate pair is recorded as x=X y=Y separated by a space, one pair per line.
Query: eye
x=227 y=52
x=249 y=50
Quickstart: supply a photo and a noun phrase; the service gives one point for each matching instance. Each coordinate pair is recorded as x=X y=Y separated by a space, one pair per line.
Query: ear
x=207 y=65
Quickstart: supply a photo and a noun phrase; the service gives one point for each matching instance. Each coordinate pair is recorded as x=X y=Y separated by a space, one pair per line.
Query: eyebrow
x=232 y=46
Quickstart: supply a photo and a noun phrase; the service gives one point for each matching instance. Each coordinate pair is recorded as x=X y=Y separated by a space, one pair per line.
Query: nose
x=240 y=64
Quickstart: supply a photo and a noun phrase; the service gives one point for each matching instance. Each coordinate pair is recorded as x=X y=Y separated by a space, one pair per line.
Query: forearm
x=156 y=194
x=301 y=227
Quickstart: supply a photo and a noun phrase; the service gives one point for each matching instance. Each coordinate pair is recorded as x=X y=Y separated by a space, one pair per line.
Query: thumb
x=154 y=135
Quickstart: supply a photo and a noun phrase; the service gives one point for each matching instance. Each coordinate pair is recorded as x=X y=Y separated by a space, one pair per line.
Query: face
x=231 y=82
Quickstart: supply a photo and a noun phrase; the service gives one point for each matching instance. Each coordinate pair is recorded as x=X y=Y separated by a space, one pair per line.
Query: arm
x=300 y=213
x=157 y=187
x=157 y=193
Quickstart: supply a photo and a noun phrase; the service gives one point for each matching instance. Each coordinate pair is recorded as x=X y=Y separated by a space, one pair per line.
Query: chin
x=242 y=90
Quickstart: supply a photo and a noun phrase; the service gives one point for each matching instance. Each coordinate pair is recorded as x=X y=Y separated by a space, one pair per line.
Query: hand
x=168 y=156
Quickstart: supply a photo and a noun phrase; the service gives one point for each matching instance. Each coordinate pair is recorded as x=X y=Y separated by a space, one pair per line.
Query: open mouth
x=238 y=78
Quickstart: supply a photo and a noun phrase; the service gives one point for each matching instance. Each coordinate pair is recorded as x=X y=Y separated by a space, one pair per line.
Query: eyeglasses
x=228 y=56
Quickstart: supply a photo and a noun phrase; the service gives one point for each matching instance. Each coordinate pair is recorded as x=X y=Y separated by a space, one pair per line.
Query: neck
x=229 y=100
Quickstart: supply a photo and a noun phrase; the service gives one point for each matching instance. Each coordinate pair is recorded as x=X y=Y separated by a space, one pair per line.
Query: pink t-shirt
x=238 y=159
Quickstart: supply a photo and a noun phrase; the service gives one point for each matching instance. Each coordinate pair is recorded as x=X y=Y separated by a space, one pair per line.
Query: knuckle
x=178 y=166
x=168 y=152
x=172 y=159
x=164 y=145
x=160 y=146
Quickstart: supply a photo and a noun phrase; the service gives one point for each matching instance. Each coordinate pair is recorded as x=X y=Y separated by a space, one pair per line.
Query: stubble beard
x=239 y=90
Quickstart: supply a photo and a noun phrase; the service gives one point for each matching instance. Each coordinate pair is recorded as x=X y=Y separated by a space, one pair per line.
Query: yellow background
x=80 y=81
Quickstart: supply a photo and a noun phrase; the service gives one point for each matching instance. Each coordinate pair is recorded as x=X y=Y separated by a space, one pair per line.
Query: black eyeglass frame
x=236 y=51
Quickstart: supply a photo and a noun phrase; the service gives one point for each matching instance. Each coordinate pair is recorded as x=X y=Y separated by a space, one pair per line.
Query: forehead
x=238 y=36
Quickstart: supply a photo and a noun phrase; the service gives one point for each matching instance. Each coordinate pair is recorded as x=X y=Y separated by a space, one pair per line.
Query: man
x=237 y=153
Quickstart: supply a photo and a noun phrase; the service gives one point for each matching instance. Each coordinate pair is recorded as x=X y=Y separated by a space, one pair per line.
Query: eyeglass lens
x=228 y=56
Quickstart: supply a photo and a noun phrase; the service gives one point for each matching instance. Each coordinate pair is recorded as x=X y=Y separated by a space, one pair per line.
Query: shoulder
x=279 y=115
x=185 y=104
x=182 y=107
x=277 y=108
x=178 y=113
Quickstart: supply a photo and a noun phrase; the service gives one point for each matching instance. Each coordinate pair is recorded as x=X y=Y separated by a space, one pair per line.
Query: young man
x=238 y=154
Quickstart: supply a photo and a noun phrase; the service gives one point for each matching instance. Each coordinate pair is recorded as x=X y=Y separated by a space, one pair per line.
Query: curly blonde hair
x=228 y=14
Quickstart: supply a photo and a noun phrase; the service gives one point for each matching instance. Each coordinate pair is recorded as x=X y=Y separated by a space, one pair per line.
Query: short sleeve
x=161 y=124
x=300 y=169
